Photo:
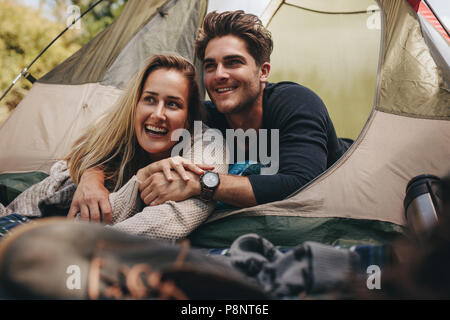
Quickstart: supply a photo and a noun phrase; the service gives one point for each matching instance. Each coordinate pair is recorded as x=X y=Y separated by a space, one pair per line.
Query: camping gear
x=359 y=200
x=423 y=203
x=109 y=264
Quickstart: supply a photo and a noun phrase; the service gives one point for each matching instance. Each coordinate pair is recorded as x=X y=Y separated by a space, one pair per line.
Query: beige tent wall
x=90 y=63
x=173 y=32
x=48 y=120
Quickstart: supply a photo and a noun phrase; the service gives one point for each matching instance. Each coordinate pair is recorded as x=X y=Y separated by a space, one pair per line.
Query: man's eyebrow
x=151 y=92
x=229 y=57
x=208 y=60
x=233 y=56
x=174 y=98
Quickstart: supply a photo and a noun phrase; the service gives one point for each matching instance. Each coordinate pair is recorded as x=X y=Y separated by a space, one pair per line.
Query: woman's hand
x=157 y=190
x=179 y=164
x=91 y=198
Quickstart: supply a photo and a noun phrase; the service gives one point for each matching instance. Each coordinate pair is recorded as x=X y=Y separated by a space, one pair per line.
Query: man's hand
x=156 y=189
x=91 y=198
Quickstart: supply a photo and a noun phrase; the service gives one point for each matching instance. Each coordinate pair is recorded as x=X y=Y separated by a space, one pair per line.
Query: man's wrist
x=194 y=180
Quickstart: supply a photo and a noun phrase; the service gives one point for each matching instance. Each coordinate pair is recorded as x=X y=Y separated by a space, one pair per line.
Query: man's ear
x=265 y=70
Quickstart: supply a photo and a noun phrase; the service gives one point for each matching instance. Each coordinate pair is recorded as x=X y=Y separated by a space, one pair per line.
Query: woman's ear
x=265 y=70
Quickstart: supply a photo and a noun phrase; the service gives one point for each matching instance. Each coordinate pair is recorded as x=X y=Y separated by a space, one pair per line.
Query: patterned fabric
x=9 y=222
x=380 y=256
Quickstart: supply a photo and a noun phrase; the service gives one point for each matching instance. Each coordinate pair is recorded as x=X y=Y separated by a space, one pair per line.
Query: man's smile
x=225 y=89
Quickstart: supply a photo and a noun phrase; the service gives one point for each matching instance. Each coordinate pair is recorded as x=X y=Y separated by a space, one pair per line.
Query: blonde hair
x=111 y=143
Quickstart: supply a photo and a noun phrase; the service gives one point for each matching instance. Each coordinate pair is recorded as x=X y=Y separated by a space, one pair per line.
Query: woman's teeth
x=156 y=130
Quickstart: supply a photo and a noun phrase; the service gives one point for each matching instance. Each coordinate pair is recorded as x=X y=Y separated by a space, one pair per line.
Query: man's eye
x=234 y=62
x=209 y=66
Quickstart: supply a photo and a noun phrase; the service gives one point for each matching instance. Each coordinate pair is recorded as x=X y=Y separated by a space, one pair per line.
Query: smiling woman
x=161 y=110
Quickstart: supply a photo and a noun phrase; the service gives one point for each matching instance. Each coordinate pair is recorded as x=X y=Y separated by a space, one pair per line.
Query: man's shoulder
x=287 y=87
x=291 y=95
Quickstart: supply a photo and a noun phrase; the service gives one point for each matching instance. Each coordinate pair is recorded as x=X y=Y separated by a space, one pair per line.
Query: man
x=235 y=49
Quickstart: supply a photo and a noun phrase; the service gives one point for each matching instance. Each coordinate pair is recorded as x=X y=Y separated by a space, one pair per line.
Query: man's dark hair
x=246 y=26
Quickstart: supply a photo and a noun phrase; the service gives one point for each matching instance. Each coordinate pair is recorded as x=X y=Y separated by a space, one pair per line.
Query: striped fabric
x=9 y=222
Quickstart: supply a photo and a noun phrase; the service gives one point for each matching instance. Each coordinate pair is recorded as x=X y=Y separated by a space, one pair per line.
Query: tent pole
x=24 y=72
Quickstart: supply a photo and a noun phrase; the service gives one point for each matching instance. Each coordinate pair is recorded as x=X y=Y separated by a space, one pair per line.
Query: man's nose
x=221 y=72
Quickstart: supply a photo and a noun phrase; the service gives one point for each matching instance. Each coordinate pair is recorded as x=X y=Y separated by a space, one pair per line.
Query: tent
x=402 y=79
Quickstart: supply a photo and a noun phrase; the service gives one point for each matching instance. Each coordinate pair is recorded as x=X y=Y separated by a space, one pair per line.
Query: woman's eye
x=149 y=99
x=174 y=104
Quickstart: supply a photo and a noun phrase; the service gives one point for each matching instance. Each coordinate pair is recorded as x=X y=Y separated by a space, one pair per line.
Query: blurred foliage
x=25 y=32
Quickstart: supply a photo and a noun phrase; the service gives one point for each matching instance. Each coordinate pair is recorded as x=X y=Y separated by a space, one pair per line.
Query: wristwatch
x=209 y=182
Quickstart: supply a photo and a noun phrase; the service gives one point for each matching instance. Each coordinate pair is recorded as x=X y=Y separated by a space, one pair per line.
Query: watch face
x=211 y=180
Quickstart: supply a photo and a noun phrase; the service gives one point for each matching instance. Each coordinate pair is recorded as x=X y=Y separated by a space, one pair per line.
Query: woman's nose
x=159 y=112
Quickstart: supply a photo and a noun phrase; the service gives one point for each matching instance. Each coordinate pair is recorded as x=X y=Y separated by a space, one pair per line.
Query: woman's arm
x=58 y=186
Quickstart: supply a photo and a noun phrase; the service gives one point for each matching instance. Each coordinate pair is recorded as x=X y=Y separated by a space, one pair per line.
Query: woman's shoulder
x=207 y=145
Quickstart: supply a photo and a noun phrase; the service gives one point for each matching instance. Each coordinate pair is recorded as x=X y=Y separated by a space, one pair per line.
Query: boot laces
x=136 y=282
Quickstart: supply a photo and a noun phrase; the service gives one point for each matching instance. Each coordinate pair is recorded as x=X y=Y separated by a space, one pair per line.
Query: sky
x=442 y=7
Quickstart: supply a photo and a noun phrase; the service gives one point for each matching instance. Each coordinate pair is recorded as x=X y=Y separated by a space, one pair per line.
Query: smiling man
x=235 y=49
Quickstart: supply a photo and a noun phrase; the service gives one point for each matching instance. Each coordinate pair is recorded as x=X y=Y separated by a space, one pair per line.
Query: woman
x=128 y=145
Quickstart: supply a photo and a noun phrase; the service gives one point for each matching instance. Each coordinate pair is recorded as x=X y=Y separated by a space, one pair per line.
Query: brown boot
x=56 y=258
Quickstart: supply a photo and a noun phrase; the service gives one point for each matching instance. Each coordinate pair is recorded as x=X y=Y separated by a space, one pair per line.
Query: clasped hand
x=173 y=179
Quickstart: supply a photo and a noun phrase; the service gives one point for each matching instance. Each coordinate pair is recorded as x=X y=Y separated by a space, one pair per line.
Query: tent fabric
x=336 y=55
x=411 y=83
x=66 y=110
x=91 y=62
x=439 y=49
x=174 y=32
x=288 y=231
x=333 y=7
x=13 y=184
